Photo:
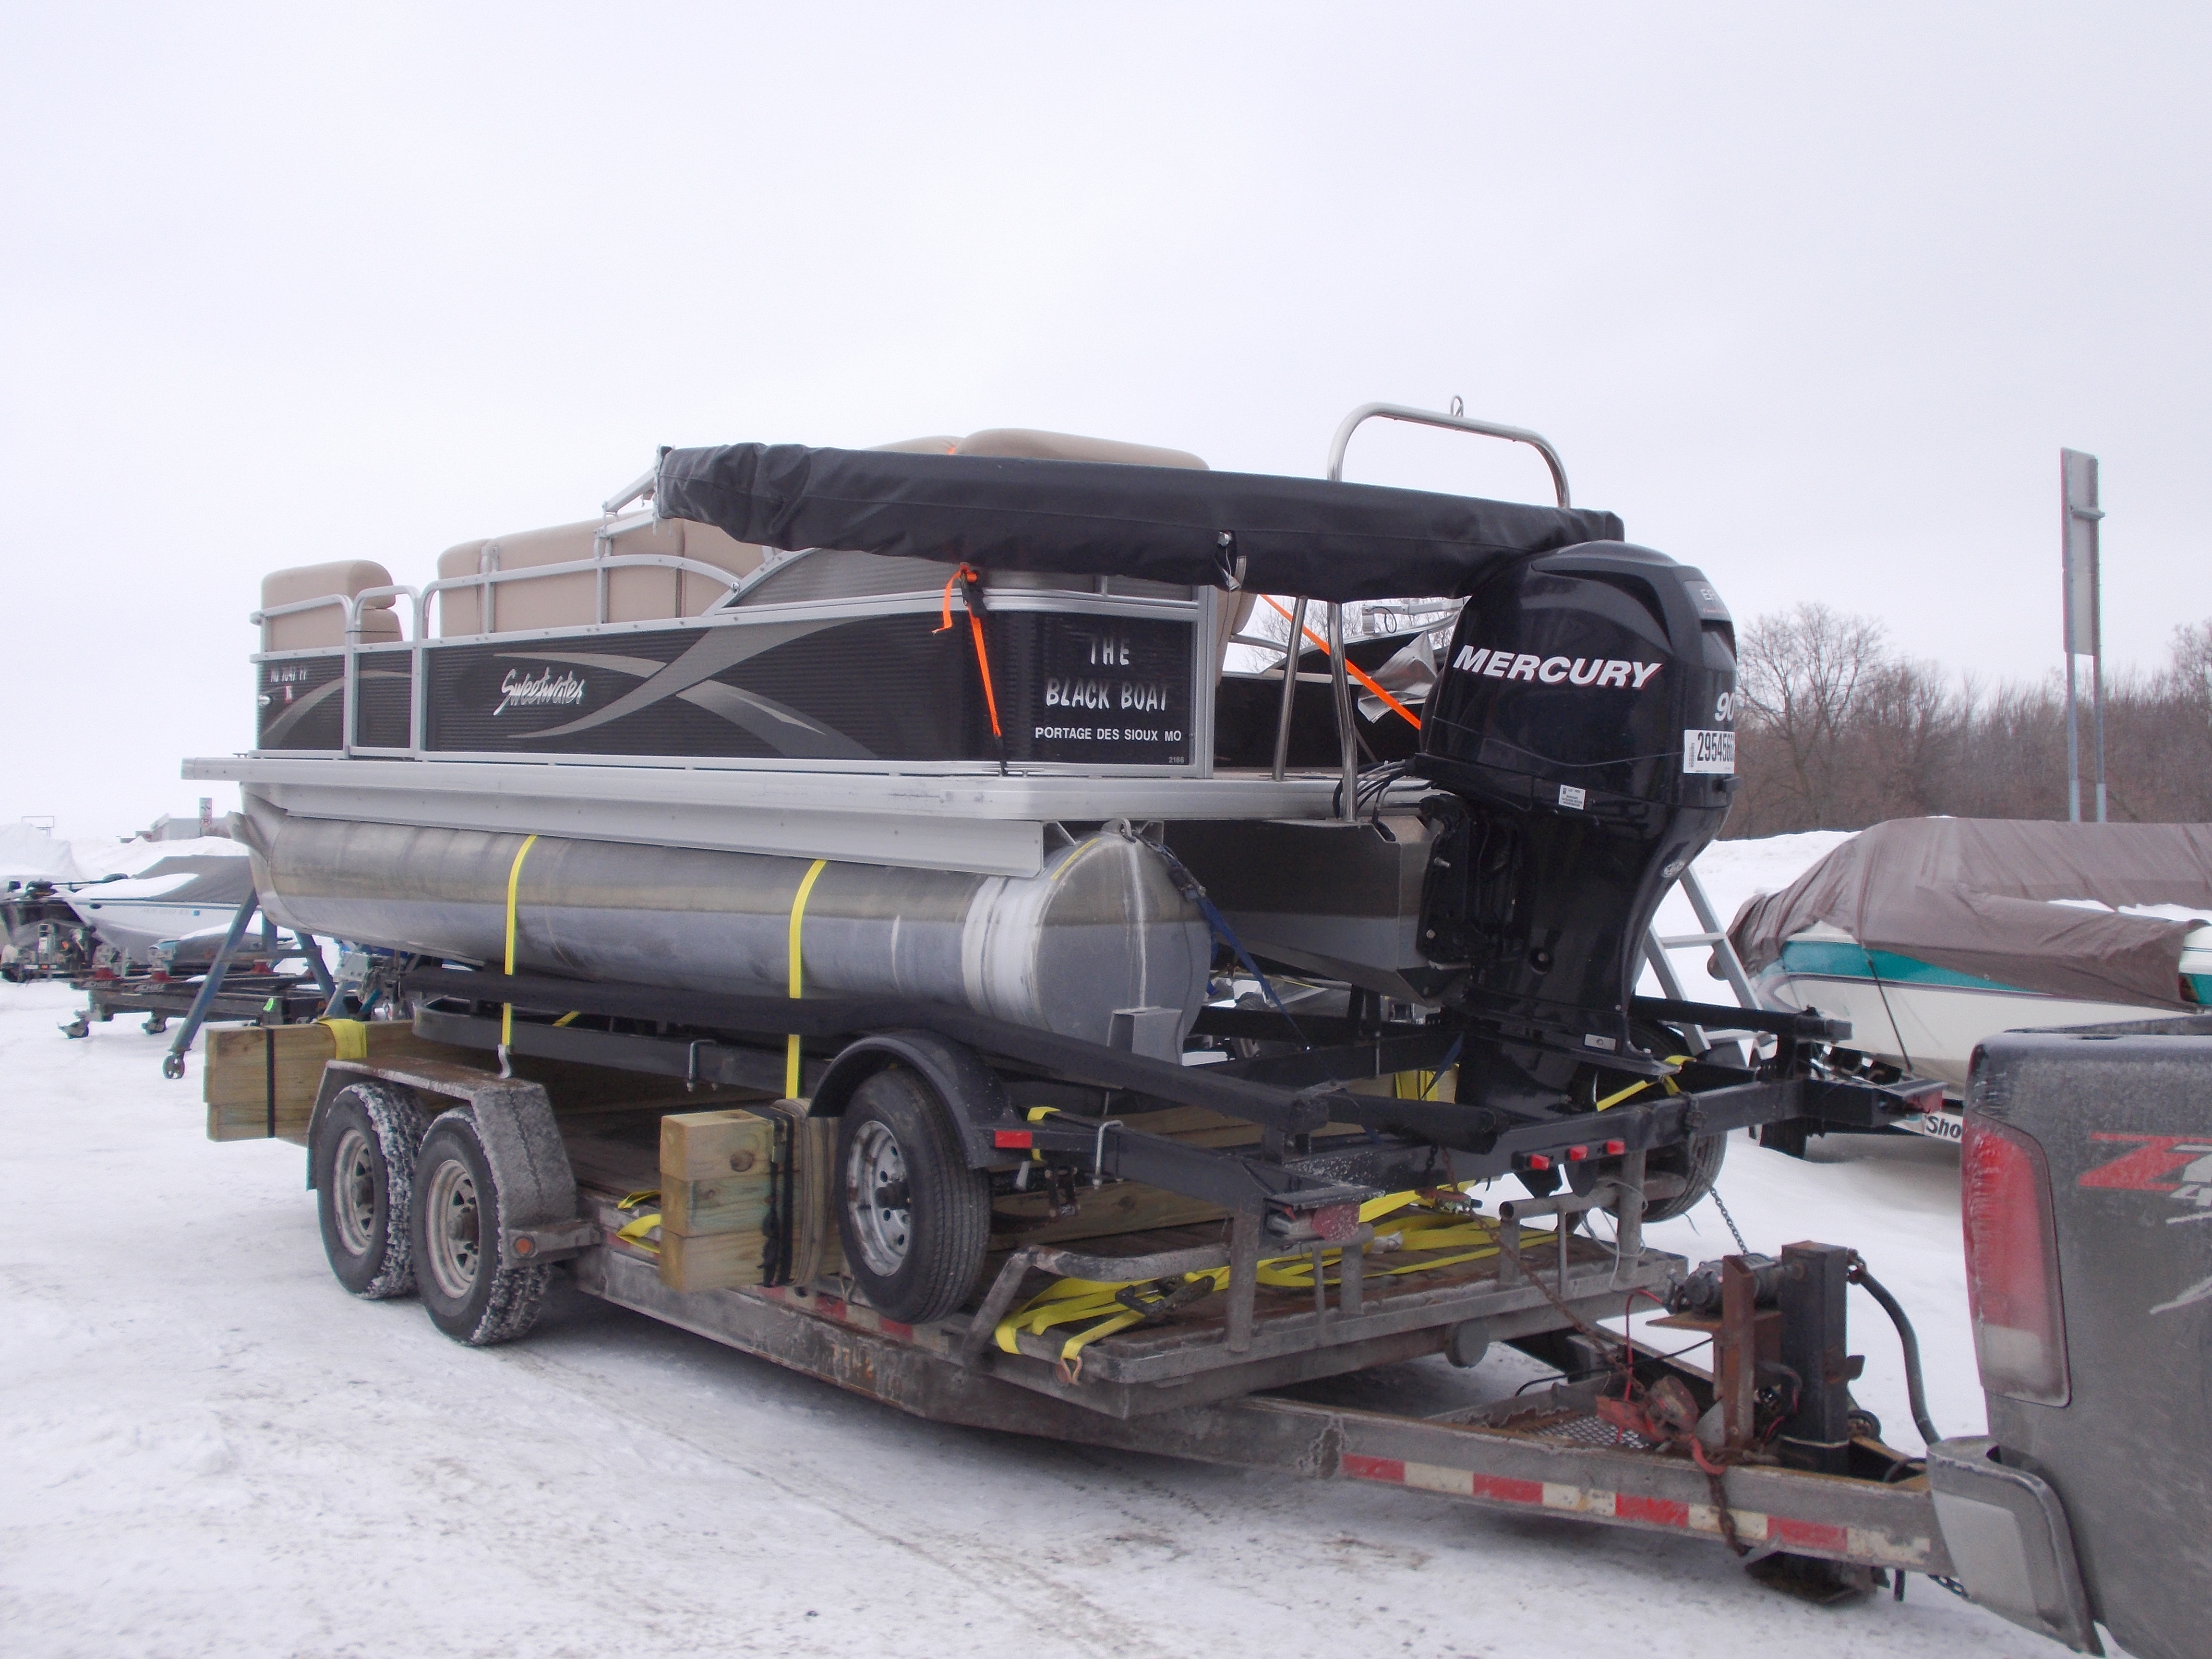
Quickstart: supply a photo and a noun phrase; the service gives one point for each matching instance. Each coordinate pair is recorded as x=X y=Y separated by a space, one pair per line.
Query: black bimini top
x=1334 y=542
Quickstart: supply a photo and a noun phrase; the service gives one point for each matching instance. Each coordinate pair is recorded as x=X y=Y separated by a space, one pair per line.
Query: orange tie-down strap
x=1349 y=667
x=972 y=596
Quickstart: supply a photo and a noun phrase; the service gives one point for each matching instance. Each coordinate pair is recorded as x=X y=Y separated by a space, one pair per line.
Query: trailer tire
x=469 y=1291
x=917 y=1255
x=364 y=1181
x=1698 y=1161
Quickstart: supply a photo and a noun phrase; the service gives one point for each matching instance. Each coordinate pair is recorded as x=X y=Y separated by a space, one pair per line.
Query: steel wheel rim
x=353 y=1192
x=883 y=1230
x=451 y=1211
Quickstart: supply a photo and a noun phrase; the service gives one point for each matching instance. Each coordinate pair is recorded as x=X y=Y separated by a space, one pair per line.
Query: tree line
x=1837 y=730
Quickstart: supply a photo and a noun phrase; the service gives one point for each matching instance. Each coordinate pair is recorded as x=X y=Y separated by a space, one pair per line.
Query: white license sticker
x=1571 y=798
x=1709 y=751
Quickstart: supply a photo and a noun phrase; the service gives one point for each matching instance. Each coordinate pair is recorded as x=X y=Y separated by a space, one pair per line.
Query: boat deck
x=971 y=820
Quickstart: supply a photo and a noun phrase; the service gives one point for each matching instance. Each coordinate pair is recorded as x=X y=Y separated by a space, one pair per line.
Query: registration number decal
x=1709 y=751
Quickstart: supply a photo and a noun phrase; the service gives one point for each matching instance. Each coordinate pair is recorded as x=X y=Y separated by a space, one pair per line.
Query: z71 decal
x=2179 y=1164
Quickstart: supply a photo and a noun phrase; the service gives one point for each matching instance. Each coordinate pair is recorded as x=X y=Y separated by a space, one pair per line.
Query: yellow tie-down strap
x=351 y=1036
x=1071 y=1301
x=513 y=886
x=639 y=1230
x=791 y=1054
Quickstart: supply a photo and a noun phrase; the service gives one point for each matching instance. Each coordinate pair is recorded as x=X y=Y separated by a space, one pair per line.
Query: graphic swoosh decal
x=722 y=647
x=689 y=678
x=297 y=710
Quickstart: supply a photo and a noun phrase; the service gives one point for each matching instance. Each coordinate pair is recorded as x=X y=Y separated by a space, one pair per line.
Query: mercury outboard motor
x=1584 y=726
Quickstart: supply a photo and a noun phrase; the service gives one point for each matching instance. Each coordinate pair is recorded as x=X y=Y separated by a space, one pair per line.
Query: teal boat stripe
x=1835 y=958
x=1846 y=960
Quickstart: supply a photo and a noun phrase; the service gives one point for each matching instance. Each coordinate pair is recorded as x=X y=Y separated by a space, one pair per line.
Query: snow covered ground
x=210 y=1448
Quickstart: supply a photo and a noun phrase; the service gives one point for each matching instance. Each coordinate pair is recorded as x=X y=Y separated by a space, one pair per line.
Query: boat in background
x=1931 y=935
x=172 y=914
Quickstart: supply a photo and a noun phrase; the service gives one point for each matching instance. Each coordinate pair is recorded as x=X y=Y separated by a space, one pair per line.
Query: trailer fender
x=536 y=1184
x=969 y=1089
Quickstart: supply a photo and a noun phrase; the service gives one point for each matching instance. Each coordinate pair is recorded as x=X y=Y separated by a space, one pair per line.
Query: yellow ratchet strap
x=635 y=1232
x=1666 y=1083
x=797 y=915
x=351 y=1036
x=1071 y=1300
x=513 y=885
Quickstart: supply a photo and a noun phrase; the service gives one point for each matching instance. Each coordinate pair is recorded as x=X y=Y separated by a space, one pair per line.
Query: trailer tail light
x=1616 y=1148
x=1536 y=1161
x=2012 y=1265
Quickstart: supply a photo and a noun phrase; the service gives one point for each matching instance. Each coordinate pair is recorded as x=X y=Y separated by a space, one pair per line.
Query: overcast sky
x=1811 y=298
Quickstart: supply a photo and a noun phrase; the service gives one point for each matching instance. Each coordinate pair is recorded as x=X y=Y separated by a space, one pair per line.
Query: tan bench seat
x=634 y=593
x=323 y=629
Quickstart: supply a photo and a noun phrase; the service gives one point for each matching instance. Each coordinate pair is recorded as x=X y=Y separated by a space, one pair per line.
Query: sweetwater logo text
x=522 y=690
x=1551 y=670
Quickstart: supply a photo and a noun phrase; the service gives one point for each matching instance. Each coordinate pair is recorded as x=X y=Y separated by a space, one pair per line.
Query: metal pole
x=1291 y=652
x=1347 y=735
x=173 y=1063
x=2080 y=522
x=2073 y=748
x=2096 y=725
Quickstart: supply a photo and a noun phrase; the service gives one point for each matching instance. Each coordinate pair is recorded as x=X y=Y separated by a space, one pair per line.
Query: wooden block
x=717 y=1172
x=722 y=1178
x=236 y=1083
x=712 y=1146
x=711 y=1261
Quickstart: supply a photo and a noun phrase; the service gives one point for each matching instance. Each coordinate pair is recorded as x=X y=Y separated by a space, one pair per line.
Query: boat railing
x=488 y=581
x=351 y=605
x=1455 y=420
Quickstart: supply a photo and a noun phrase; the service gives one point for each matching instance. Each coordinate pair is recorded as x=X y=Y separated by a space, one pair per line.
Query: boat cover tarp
x=1975 y=896
x=1328 y=541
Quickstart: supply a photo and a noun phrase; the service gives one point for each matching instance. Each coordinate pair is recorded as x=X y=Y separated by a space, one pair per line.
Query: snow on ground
x=212 y=1449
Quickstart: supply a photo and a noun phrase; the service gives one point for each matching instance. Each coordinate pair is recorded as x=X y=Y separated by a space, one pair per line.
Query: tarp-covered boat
x=1930 y=935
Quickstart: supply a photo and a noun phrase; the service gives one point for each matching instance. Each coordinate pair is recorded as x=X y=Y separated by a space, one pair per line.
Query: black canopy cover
x=1336 y=542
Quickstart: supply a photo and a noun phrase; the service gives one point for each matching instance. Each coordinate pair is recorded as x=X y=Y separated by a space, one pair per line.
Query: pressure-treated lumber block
x=254 y=1077
x=736 y=1188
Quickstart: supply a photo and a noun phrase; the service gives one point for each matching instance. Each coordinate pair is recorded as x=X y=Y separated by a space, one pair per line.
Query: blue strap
x=1190 y=887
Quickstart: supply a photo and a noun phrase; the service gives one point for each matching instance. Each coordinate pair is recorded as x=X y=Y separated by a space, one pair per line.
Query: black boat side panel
x=302 y=703
x=1082 y=689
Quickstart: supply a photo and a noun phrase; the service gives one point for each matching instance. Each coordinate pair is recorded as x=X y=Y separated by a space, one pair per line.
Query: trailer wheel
x=364 y=1169
x=1698 y=1160
x=470 y=1293
x=913 y=1219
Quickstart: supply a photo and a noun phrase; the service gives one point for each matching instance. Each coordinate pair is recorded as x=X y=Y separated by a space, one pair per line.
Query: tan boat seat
x=1020 y=443
x=634 y=593
x=323 y=629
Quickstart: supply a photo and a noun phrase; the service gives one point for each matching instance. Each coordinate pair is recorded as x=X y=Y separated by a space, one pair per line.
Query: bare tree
x=1803 y=680
x=1836 y=732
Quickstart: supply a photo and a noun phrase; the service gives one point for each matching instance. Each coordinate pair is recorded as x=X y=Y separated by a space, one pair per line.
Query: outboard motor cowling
x=1584 y=726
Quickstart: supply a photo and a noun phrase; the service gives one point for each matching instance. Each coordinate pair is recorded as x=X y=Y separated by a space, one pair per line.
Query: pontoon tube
x=1100 y=927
